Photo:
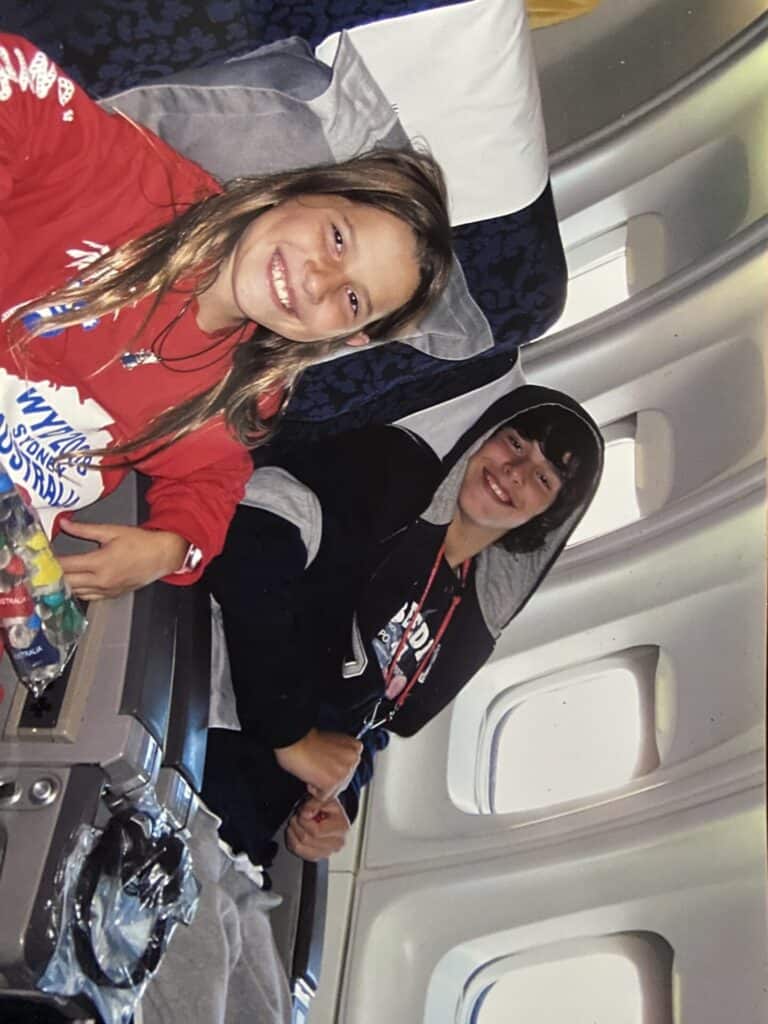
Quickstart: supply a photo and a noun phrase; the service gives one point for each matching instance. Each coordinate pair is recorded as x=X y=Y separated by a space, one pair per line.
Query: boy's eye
x=354 y=302
x=338 y=239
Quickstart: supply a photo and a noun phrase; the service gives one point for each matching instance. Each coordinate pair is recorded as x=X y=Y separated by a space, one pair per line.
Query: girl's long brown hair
x=193 y=246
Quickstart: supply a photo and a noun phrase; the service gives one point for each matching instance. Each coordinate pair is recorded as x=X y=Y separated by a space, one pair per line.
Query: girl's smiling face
x=317 y=267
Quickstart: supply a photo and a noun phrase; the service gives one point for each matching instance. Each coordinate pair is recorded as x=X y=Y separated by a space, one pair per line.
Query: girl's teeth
x=281 y=288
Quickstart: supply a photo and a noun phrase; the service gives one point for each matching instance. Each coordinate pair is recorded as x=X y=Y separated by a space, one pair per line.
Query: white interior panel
x=642 y=164
x=700 y=351
x=697 y=884
x=597 y=69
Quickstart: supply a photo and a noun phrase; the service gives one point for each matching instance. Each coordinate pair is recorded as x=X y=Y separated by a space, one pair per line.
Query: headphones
x=149 y=869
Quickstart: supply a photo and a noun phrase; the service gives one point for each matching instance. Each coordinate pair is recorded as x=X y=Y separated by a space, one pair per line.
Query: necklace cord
x=161 y=339
x=424 y=665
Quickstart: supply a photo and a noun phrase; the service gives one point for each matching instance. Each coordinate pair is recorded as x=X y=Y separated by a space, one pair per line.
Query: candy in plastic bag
x=40 y=620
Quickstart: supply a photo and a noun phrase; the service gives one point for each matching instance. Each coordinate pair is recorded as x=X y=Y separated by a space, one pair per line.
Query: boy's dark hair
x=558 y=432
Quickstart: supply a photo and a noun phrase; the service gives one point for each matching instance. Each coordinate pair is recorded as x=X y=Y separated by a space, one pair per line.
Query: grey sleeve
x=275 y=490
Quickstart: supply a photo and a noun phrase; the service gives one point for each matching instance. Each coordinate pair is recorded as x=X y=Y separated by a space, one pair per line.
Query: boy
x=361 y=587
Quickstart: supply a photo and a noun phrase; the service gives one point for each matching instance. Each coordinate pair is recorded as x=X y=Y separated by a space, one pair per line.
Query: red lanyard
x=423 y=665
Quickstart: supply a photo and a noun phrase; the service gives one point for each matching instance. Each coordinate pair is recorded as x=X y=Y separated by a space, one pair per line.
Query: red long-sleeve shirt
x=75 y=182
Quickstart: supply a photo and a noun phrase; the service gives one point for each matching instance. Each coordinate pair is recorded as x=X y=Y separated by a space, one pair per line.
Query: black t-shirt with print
x=379 y=624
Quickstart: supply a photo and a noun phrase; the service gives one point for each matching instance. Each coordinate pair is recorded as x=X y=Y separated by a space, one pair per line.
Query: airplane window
x=619 y=978
x=598 y=278
x=615 y=504
x=569 y=742
x=595 y=989
x=521 y=746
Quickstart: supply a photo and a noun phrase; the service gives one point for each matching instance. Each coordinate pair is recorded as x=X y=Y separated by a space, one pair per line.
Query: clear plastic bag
x=40 y=620
x=120 y=893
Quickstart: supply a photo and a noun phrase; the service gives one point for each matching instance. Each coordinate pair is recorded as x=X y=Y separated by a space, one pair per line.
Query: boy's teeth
x=497 y=490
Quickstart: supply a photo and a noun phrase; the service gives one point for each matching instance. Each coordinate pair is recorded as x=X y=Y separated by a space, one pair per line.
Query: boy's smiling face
x=507 y=482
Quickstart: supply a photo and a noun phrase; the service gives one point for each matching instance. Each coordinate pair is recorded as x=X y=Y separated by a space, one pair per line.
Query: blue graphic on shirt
x=30 y=449
x=34 y=316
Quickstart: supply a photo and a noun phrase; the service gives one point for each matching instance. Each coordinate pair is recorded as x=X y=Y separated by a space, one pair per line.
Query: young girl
x=150 y=318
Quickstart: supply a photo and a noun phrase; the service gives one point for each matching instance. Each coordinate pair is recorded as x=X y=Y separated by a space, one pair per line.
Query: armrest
x=310 y=930
x=298 y=924
x=188 y=724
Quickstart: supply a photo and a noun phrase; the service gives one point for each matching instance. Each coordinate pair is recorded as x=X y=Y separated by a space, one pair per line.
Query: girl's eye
x=354 y=302
x=338 y=239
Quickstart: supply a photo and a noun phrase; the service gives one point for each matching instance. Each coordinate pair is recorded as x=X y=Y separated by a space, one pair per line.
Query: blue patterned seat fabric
x=514 y=265
x=110 y=45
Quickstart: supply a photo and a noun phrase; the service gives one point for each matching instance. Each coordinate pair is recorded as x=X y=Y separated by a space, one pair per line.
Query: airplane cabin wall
x=595 y=70
x=440 y=902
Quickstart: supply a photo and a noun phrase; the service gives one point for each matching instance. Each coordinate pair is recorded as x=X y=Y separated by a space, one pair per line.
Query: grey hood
x=505 y=581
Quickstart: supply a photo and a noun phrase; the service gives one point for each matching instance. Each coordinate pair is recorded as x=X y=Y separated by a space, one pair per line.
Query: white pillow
x=463 y=77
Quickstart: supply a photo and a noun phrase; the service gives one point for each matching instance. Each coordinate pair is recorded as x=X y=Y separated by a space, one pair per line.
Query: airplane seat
x=118 y=739
x=459 y=77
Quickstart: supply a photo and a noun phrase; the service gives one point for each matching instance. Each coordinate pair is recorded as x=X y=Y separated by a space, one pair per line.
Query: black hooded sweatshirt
x=324 y=559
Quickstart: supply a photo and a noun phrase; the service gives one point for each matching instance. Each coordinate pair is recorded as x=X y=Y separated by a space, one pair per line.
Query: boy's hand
x=128 y=557
x=317 y=830
x=325 y=761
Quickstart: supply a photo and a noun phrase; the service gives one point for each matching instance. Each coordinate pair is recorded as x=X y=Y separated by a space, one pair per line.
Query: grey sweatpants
x=224 y=967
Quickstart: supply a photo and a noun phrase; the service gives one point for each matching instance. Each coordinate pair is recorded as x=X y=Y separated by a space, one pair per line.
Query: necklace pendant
x=141 y=357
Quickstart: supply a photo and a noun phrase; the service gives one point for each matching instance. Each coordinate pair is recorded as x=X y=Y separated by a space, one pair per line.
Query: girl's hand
x=326 y=761
x=317 y=830
x=128 y=557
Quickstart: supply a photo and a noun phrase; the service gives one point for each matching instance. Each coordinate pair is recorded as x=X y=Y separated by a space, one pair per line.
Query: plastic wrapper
x=120 y=893
x=40 y=621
